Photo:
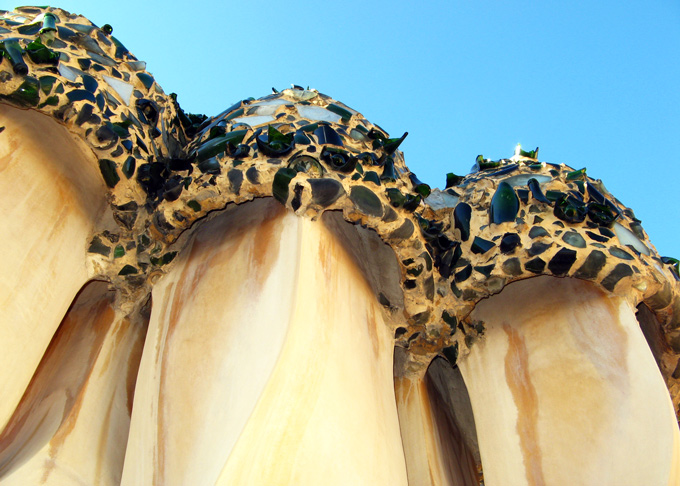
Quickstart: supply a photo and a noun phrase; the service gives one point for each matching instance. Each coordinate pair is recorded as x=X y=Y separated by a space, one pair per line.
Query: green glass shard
x=281 y=182
x=339 y=110
x=194 y=205
x=119 y=251
x=109 y=172
x=28 y=93
x=453 y=180
x=504 y=204
x=128 y=270
x=576 y=174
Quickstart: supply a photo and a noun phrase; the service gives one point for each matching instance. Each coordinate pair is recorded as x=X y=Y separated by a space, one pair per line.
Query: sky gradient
x=593 y=84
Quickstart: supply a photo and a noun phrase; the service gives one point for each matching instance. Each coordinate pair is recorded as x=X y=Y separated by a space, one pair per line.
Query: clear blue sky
x=595 y=84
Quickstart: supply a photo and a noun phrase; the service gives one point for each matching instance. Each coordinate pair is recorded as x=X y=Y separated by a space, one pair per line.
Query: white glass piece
x=300 y=94
x=69 y=73
x=523 y=179
x=441 y=200
x=317 y=113
x=274 y=102
x=136 y=65
x=264 y=110
x=123 y=89
x=254 y=121
x=627 y=237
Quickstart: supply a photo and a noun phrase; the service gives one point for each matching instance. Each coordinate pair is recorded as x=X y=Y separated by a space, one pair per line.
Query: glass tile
x=504 y=204
x=441 y=200
x=523 y=180
x=537 y=248
x=537 y=232
x=109 y=172
x=461 y=215
x=281 y=182
x=619 y=253
x=481 y=246
x=620 y=271
x=535 y=266
x=512 y=267
x=123 y=89
x=592 y=266
x=325 y=191
x=627 y=237
x=254 y=121
x=574 y=239
x=509 y=242
x=317 y=113
x=561 y=262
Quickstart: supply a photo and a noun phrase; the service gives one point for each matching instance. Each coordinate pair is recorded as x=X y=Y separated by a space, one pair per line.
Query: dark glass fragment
x=391 y=144
x=523 y=195
x=253 y=175
x=41 y=54
x=593 y=236
x=480 y=245
x=109 y=172
x=504 y=204
x=451 y=320
x=537 y=248
x=620 y=271
x=570 y=209
x=389 y=174
x=403 y=232
x=505 y=170
x=372 y=176
x=296 y=202
x=301 y=139
x=461 y=215
x=574 y=239
x=28 y=92
x=80 y=95
x=46 y=83
x=146 y=79
x=128 y=270
x=485 y=269
x=419 y=186
x=84 y=114
x=673 y=262
x=274 y=143
x=485 y=164
x=451 y=354
x=412 y=202
x=339 y=159
x=537 y=232
x=463 y=274
x=194 y=205
x=602 y=214
x=554 y=196
x=219 y=145
x=148 y=111
x=390 y=215
x=453 y=180
x=576 y=174
x=172 y=188
x=235 y=177
x=339 y=110
x=281 y=182
x=395 y=196
x=307 y=164
x=592 y=266
x=366 y=201
x=96 y=246
x=509 y=242
x=326 y=135
x=535 y=266
x=210 y=166
x=512 y=267
x=30 y=29
x=447 y=260
x=410 y=284
x=619 y=253
x=561 y=262
x=129 y=166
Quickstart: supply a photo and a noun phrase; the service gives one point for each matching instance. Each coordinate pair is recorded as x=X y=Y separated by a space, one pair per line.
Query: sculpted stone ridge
x=509 y=220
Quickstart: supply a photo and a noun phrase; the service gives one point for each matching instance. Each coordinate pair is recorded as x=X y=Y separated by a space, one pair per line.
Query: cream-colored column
x=51 y=194
x=433 y=447
x=267 y=362
x=71 y=425
x=565 y=390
